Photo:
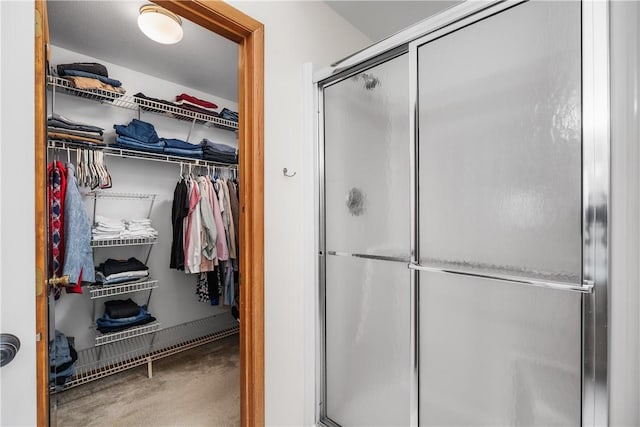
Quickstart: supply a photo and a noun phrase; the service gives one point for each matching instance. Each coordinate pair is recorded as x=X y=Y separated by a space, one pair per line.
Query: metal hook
x=285 y=173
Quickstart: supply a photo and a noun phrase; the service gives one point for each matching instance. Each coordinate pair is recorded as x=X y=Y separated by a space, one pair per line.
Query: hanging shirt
x=208 y=232
x=78 y=263
x=179 y=211
x=231 y=229
x=221 y=241
x=57 y=188
x=193 y=243
x=225 y=212
x=57 y=192
x=235 y=212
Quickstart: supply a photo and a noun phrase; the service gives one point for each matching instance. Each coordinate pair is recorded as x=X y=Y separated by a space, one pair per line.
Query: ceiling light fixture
x=159 y=24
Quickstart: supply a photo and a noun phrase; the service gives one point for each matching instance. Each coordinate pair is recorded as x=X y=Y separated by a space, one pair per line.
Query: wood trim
x=228 y=22
x=42 y=368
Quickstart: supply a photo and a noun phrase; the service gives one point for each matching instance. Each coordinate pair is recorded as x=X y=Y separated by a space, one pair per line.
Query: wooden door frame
x=228 y=22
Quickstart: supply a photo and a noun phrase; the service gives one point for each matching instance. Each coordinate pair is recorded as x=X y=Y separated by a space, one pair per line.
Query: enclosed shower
x=463 y=222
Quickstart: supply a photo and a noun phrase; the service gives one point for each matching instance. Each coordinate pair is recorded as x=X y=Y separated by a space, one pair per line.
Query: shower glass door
x=367 y=283
x=453 y=277
x=499 y=175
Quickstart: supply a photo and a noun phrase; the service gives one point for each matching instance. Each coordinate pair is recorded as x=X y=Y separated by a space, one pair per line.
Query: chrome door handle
x=9 y=346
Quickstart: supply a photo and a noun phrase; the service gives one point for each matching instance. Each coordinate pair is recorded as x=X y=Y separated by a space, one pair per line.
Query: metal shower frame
x=594 y=286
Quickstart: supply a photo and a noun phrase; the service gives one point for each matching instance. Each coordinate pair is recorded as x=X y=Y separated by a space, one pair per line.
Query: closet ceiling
x=380 y=19
x=108 y=30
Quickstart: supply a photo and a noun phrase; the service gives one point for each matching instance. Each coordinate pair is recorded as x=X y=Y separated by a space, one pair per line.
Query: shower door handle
x=585 y=287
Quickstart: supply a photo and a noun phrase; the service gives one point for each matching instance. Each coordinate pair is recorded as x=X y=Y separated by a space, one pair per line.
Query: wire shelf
x=123 y=242
x=120 y=196
x=136 y=331
x=123 y=355
x=135 y=103
x=104 y=291
x=134 y=154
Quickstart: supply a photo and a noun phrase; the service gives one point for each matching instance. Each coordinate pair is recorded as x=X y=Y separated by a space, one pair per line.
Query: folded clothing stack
x=114 y=271
x=142 y=136
x=123 y=314
x=191 y=103
x=138 y=135
x=62 y=359
x=139 y=228
x=229 y=115
x=178 y=147
x=108 y=229
x=89 y=75
x=60 y=128
x=219 y=152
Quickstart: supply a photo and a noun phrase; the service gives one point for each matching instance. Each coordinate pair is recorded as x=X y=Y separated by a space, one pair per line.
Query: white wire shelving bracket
x=135 y=103
x=136 y=331
x=104 y=291
x=123 y=355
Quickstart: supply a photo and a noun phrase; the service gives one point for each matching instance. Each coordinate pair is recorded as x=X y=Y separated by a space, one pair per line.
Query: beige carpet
x=199 y=387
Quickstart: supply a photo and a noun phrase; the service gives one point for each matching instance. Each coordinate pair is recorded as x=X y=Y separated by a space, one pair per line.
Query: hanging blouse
x=78 y=262
x=208 y=231
x=192 y=251
x=221 y=241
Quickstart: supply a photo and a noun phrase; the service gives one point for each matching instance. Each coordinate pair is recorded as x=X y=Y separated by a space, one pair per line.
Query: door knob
x=59 y=282
x=9 y=346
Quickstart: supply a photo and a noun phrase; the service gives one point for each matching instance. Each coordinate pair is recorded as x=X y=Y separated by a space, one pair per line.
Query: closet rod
x=131 y=154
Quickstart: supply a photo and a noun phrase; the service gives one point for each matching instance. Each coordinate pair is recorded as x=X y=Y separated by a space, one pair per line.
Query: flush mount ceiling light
x=159 y=24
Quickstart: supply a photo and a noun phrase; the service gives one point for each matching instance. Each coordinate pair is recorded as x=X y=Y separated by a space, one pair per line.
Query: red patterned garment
x=57 y=188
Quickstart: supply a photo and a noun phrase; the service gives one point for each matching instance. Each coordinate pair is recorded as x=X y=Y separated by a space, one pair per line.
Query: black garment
x=140 y=98
x=114 y=266
x=213 y=282
x=119 y=309
x=106 y=329
x=87 y=67
x=179 y=211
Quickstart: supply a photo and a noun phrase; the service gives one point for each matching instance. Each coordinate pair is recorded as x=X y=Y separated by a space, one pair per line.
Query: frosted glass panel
x=367 y=161
x=500 y=143
x=496 y=354
x=367 y=342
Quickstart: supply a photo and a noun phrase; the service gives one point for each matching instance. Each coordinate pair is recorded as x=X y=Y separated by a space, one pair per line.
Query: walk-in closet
x=143 y=207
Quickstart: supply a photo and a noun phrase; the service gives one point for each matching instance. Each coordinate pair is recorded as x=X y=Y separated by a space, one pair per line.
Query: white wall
x=295 y=33
x=174 y=301
x=17 y=233
x=624 y=356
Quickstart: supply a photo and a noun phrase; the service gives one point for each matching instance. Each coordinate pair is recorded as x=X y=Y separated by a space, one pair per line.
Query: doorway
x=227 y=22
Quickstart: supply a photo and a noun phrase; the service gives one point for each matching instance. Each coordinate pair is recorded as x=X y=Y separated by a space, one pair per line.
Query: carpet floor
x=198 y=387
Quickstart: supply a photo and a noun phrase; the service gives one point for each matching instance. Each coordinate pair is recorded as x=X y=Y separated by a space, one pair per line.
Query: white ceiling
x=108 y=30
x=202 y=60
x=380 y=19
